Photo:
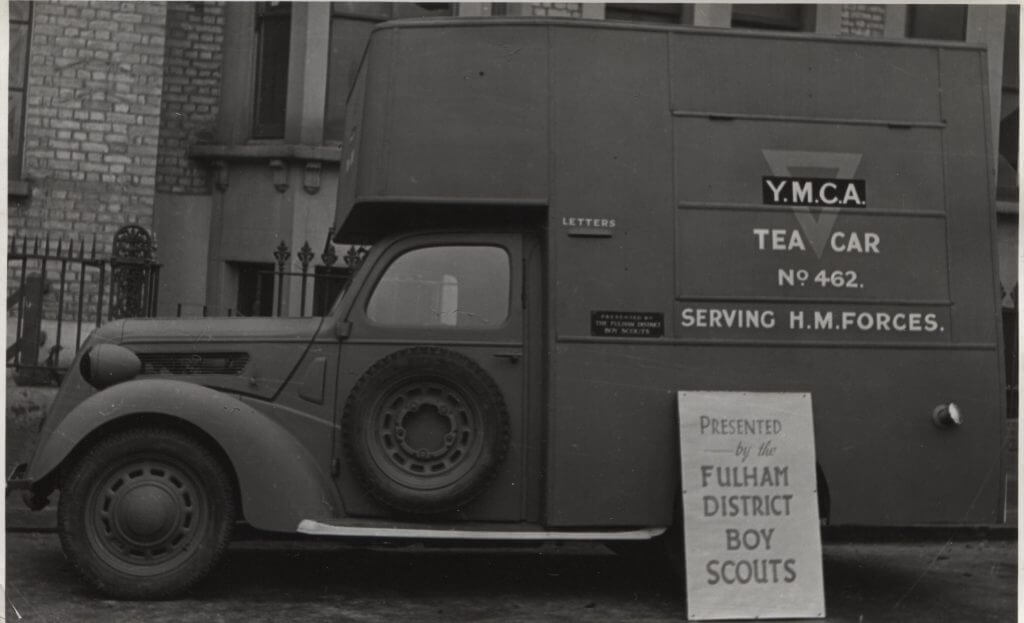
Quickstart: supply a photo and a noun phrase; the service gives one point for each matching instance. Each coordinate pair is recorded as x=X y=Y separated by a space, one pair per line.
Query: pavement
x=264 y=580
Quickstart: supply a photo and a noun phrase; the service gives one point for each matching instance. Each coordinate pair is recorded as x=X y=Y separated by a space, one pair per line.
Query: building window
x=273 y=35
x=255 y=289
x=640 y=12
x=20 y=25
x=351 y=23
x=937 y=21
x=793 y=17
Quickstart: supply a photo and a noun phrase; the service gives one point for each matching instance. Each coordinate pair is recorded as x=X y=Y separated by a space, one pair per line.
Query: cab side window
x=440 y=287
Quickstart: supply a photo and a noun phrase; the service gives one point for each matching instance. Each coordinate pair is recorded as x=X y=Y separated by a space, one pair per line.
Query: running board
x=308 y=526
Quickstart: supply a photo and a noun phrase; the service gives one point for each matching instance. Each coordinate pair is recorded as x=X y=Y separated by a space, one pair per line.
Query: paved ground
x=952 y=580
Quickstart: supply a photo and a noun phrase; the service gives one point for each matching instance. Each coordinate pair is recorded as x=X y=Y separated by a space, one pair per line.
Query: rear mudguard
x=279 y=482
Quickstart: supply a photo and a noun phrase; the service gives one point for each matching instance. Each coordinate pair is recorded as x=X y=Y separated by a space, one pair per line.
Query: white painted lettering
x=803 y=192
x=851 y=197
x=836 y=242
x=776 y=190
x=796 y=320
x=871 y=241
x=827 y=193
x=823 y=321
x=761 y=234
x=795 y=241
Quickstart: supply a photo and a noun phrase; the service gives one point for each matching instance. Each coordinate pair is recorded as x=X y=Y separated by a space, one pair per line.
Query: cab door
x=431 y=382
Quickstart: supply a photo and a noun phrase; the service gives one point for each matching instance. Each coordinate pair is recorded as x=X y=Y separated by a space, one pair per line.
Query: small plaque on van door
x=627 y=324
x=818 y=192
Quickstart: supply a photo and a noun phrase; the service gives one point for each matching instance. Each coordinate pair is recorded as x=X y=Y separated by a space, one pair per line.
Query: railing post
x=32 y=333
x=131 y=272
x=155 y=289
x=103 y=276
x=81 y=292
x=21 y=301
x=281 y=254
x=54 y=357
x=305 y=256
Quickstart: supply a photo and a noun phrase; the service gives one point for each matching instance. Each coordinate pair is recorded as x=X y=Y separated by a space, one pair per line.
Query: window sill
x=321 y=153
x=20 y=189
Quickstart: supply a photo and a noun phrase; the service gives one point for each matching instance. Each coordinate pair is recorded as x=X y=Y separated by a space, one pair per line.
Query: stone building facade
x=217 y=125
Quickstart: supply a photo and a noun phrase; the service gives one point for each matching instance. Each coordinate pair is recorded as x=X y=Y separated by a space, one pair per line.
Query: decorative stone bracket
x=279 y=174
x=311 y=178
x=278 y=157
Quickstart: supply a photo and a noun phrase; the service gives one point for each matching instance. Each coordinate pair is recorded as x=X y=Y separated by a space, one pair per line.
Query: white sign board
x=750 y=506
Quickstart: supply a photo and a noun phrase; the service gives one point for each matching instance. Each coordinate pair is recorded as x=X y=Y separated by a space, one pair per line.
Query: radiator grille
x=193 y=363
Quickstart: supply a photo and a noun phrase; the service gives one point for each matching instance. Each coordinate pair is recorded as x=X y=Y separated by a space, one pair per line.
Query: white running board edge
x=309 y=526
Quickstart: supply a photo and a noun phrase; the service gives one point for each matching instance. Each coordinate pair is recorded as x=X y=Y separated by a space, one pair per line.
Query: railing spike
x=282 y=253
x=305 y=255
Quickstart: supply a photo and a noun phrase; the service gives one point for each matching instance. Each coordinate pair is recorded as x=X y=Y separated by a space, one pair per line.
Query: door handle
x=513 y=357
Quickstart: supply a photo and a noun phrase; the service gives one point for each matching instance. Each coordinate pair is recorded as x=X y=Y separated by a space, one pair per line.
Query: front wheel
x=146 y=513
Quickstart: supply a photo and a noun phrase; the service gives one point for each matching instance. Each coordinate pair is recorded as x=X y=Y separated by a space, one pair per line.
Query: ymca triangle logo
x=813 y=179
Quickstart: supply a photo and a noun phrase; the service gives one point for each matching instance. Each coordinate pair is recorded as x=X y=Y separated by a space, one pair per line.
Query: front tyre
x=146 y=513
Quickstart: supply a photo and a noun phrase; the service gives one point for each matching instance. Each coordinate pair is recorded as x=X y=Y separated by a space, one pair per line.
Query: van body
x=570 y=222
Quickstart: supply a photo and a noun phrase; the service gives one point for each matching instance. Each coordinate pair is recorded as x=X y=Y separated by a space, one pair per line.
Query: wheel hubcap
x=425 y=430
x=146 y=514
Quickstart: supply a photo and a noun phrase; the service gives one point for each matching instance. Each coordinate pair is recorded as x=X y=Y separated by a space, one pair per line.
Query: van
x=569 y=222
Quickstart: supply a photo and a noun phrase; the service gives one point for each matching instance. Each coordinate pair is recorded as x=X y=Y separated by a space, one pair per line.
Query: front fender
x=280 y=484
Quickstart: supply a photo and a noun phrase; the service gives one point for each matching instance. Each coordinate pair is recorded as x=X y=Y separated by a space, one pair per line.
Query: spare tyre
x=425 y=430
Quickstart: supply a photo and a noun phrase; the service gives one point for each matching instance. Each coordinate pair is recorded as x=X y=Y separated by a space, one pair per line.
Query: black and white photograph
x=525 y=311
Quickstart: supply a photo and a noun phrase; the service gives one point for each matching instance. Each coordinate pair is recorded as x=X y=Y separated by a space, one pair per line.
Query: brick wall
x=863 y=20
x=92 y=118
x=192 y=75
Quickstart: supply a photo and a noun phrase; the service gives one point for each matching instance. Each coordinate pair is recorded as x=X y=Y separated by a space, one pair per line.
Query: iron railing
x=62 y=288
x=328 y=282
x=293 y=285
